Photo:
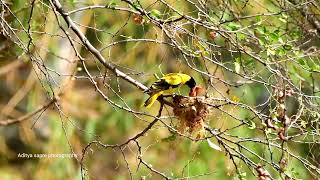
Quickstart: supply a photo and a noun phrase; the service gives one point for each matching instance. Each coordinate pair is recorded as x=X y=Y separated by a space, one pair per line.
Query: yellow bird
x=166 y=84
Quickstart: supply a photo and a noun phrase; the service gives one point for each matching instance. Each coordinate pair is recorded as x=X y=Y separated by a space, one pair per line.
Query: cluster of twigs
x=223 y=42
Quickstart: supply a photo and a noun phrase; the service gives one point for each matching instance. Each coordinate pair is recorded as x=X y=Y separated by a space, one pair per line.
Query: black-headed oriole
x=166 y=84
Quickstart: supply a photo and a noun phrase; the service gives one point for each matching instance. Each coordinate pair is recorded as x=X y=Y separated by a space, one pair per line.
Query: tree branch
x=58 y=7
x=27 y=116
x=311 y=18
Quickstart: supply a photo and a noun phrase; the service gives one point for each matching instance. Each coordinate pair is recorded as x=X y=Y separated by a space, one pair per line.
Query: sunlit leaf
x=241 y=36
x=252 y=125
x=274 y=36
x=233 y=26
x=213 y=146
x=270 y=52
x=283 y=20
x=235 y=99
x=304 y=124
x=280 y=52
x=262 y=29
x=155 y=13
x=237 y=65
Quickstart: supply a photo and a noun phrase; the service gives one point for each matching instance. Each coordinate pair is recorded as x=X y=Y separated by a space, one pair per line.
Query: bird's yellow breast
x=176 y=78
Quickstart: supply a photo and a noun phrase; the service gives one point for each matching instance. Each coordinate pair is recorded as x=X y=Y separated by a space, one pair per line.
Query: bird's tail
x=153 y=97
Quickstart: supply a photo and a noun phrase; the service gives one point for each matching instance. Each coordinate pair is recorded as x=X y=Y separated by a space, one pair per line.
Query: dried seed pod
x=281 y=134
x=281 y=111
x=137 y=19
x=270 y=124
x=213 y=35
x=287 y=121
x=283 y=164
x=262 y=173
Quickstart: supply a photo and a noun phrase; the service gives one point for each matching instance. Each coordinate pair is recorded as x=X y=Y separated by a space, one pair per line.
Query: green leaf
x=241 y=36
x=243 y=174
x=112 y=3
x=281 y=52
x=252 y=125
x=258 y=18
x=155 y=13
x=249 y=63
x=295 y=34
x=274 y=37
x=281 y=40
x=73 y=2
x=211 y=19
x=313 y=66
x=262 y=30
x=296 y=73
x=268 y=131
x=283 y=20
x=304 y=124
x=301 y=62
x=233 y=26
x=287 y=47
x=270 y=52
x=284 y=15
x=298 y=53
x=170 y=138
x=277 y=31
x=91 y=129
x=135 y=5
x=263 y=40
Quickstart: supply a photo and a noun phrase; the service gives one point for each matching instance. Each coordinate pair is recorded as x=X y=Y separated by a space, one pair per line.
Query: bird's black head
x=191 y=83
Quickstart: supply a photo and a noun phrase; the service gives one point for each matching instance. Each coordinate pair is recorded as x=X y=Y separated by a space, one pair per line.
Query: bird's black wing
x=160 y=85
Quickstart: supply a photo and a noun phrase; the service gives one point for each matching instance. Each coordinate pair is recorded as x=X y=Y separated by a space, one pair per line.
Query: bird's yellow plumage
x=166 y=84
